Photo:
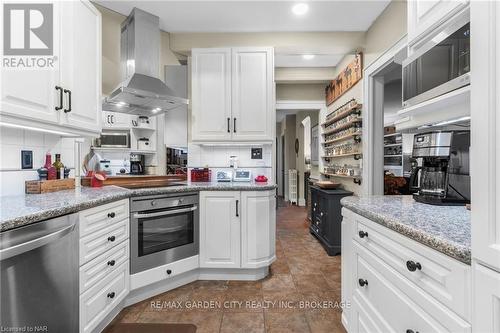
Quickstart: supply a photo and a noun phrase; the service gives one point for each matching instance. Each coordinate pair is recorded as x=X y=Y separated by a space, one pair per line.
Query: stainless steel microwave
x=440 y=65
x=114 y=139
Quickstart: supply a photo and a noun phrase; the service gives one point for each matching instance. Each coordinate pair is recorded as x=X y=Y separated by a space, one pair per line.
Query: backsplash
x=216 y=157
x=13 y=140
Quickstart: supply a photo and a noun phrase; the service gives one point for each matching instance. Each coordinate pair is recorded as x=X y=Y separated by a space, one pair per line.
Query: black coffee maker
x=443 y=177
x=136 y=164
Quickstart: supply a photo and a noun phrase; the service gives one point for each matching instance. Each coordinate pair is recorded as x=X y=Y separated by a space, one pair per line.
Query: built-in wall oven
x=164 y=229
x=440 y=65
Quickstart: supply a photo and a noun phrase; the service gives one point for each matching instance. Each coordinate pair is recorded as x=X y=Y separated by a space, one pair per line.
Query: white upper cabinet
x=232 y=94
x=252 y=93
x=485 y=126
x=116 y=120
x=211 y=94
x=66 y=98
x=81 y=65
x=425 y=15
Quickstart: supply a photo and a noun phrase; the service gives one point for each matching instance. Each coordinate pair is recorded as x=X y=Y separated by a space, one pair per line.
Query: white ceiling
x=255 y=16
x=298 y=60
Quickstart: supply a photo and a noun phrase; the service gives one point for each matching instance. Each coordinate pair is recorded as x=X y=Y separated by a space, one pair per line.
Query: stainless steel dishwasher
x=39 y=277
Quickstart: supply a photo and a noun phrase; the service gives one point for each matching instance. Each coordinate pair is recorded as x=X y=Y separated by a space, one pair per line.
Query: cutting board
x=139 y=181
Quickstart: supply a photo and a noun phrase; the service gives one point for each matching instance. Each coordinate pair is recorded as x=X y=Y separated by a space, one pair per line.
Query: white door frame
x=373 y=124
x=303 y=106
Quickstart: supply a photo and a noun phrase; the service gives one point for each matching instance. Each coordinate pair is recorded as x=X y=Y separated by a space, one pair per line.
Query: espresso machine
x=442 y=174
x=136 y=164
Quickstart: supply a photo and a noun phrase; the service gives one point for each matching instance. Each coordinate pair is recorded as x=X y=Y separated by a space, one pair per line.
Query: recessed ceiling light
x=308 y=56
x=121 y=104
x=300 y=8
x=155 y=110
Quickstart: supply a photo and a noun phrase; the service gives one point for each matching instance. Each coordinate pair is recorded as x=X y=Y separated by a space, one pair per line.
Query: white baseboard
x=302 y=202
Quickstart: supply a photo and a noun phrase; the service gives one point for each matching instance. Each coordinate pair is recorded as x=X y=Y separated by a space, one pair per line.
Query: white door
x=211 y=94
x=486 y=300
x=81 y=65
x=425 y=15
x=252 y=93
x=258 y=228
x=485 y=126
x=220 y=229
x=32 y=94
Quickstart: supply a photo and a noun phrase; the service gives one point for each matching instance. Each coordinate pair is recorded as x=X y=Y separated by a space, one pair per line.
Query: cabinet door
x=485 y=144
x=81 y=65
x=220 y=229
x=486 y=300
x=258 y=228
x=116 y=120
x=252 y=93
x=425 y=15
x=211 y=94
x=31 y=94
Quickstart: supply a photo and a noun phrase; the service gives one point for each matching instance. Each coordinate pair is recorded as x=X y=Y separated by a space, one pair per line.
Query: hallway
x=302 y=293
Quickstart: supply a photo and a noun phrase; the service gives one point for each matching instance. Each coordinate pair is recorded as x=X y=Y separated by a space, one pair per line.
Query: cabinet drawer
x=98 y=268
x=97 y=218
x=97 y=302
x=446 y=279
x=160 y=273
x=99 y=242
x=396 y=304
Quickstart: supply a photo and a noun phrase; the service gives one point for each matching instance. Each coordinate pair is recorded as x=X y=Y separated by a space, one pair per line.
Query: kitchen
x=143 y=168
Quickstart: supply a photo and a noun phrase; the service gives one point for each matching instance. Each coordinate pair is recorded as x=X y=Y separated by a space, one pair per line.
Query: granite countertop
x=446 y=229
x=20 y=210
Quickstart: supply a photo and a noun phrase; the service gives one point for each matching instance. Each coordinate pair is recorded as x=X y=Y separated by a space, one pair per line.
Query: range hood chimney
x=141 y=92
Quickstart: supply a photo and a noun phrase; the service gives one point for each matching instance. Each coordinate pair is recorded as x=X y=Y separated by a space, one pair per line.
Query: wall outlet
x=26 y=159
x=256 y=153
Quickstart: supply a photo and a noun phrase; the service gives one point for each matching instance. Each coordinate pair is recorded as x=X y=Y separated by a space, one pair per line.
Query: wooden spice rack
x=355 y=136
x=356 y=179
x=355 y=109
x=357 y=155
x=343 y=126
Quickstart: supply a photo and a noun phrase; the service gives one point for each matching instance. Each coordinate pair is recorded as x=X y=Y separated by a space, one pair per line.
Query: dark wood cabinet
x=326 y=217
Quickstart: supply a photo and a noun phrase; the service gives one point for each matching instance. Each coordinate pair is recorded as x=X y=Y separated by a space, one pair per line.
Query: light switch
x=256 y=153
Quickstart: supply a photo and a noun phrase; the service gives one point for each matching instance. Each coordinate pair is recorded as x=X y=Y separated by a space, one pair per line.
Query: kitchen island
x=405 y=265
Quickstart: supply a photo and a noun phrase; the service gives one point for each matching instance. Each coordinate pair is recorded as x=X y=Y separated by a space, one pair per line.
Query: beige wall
x=389 y=27
x=300 y=92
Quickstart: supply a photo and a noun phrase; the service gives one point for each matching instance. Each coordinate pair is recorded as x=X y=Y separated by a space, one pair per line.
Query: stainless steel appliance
x=443 y=177
x=137 y=164
x=440 y=65
x=114 y=139
x=163 y=229
x=39 y=276
x=141 y=91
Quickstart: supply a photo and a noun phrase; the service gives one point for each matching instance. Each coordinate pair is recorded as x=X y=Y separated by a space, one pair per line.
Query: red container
x=201 y=175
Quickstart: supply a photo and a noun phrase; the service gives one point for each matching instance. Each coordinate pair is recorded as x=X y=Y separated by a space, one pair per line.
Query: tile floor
x=302 y=278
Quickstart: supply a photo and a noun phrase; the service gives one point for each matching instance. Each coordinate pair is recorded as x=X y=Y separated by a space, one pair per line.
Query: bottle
x=51 y=171
x=59 y=167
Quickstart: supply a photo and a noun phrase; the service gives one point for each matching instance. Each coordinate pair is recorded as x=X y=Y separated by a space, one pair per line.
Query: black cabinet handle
x=237 y=203
x=363 y=234
x=413 y=266
x=411 y=331
x=60 y=98
x=111 y=294
x=69 y=100
x=111 y=215
x=363 y=282
x=112 y=119
x=111 y=238
x=228 y=125
x=234 y=125
x=108 y=117
x=169 y=271
x=111 y=263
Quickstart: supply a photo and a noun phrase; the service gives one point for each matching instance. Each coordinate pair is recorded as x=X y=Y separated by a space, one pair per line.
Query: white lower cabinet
x=387 y=296
x=486 y=299
x=237 y=229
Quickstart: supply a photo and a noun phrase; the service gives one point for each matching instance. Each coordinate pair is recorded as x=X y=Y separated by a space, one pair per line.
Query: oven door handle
x=165 y=213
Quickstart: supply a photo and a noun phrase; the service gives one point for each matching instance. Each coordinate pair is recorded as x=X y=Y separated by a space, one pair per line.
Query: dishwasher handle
x=165 y=213
x=34 y=243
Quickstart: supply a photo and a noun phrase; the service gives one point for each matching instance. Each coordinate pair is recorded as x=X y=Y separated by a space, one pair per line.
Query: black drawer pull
x=363 y=234
x=411 y=331
x=69 y=100
x=111 y=238
x=363 y=282
x=60 y=98
x=111 y=215
x=413 y=266
x=228 y=122
x=169 y=271
x=111 y=263
x=111 y=294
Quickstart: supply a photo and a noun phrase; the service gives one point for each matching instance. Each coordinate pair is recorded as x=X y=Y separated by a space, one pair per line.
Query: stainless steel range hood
x=141 y=92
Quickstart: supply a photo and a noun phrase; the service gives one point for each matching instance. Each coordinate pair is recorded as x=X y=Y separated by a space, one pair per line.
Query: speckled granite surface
x=446 y=229
x=16 y=211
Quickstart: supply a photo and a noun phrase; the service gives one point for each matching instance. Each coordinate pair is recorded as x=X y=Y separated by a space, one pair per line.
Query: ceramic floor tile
x=286 y=322
x=242 y=323
x=278 y=282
